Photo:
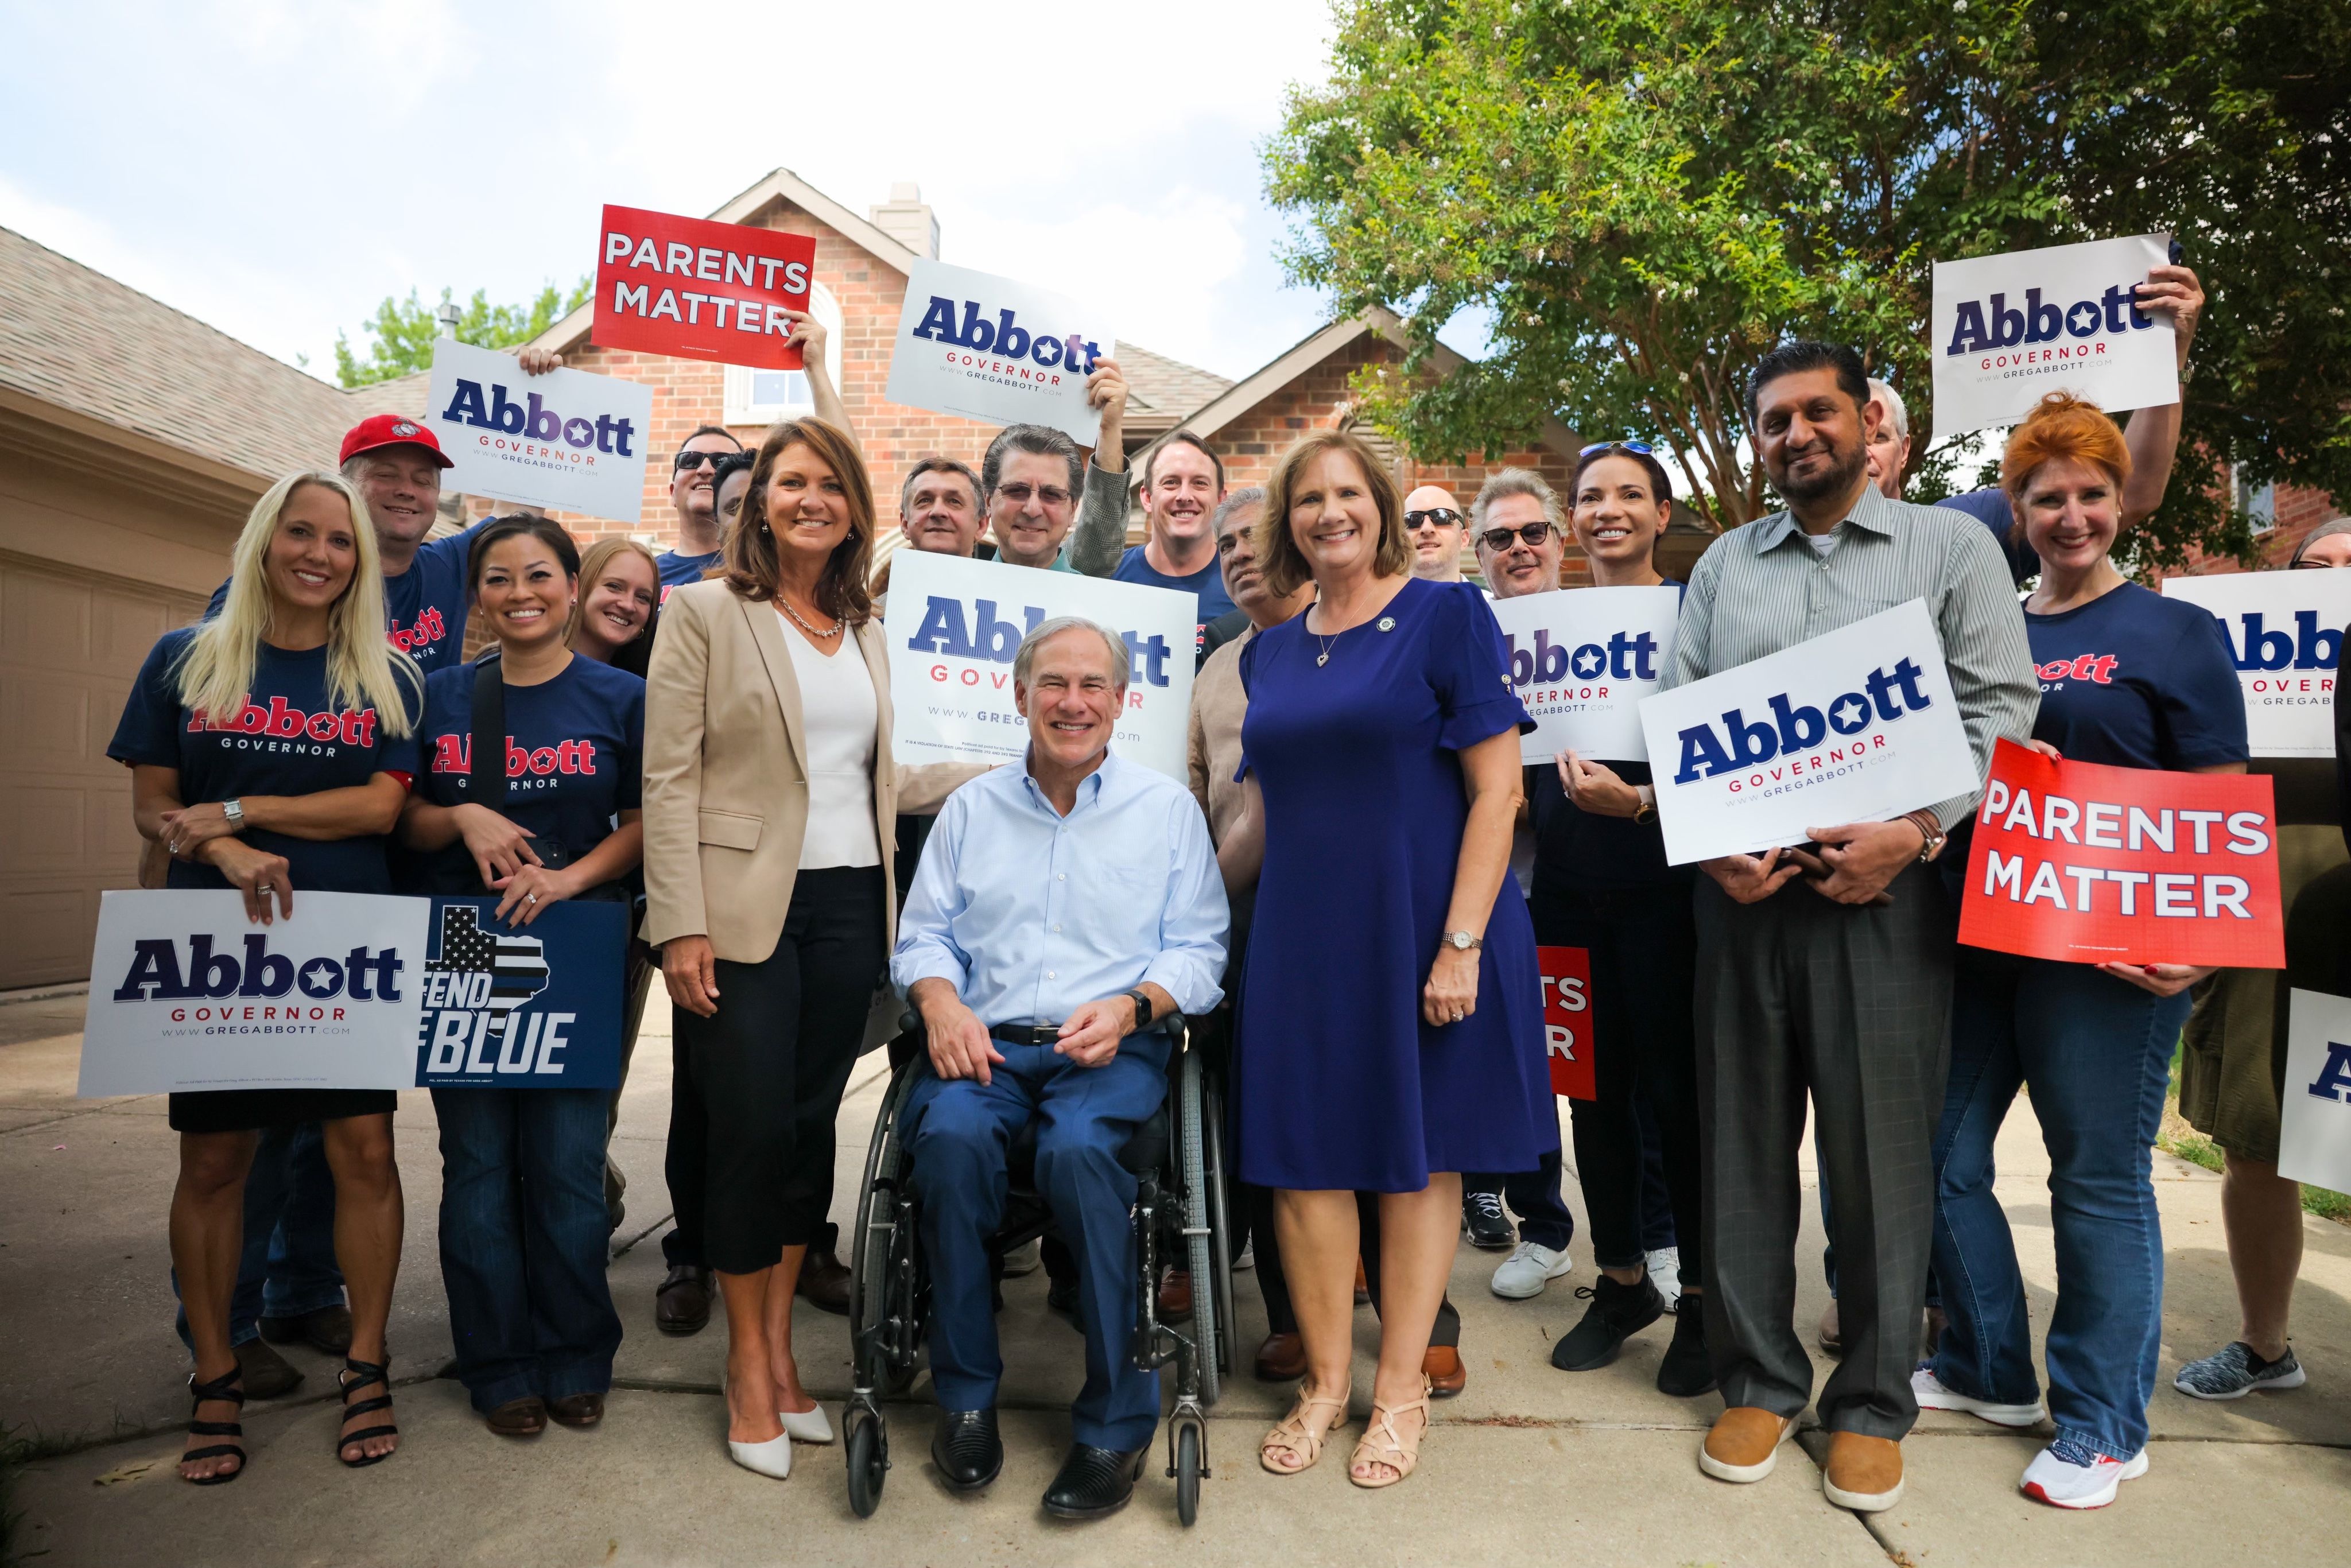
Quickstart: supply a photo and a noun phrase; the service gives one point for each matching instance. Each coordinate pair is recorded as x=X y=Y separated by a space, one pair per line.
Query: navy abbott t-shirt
x=676 y=570
x=574 y=752
x=286 y=741
x=423 y=607
x=2135 y=680
x=1208 y=582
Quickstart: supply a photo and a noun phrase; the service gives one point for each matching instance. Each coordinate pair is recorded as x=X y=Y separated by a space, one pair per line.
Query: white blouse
x=838 y=712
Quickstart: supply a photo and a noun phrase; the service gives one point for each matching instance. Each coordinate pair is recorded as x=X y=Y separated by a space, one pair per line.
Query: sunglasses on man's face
x=686 y=460
x=1018 y=493
x=1500 y=539
x=1432 y=517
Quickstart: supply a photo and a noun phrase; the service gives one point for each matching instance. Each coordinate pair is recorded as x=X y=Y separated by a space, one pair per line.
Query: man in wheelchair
x=1061 y=907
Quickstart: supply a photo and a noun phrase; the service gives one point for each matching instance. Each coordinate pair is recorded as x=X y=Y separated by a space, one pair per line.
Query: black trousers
x=1643 y=944
x=757 y=1085
x=1850 y=1006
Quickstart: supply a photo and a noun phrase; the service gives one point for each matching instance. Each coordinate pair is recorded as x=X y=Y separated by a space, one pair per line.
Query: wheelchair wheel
x=868 y=1461
x=1201 y=1249
x=883 y=1358
x=1188 y=1473
x=1212 y=1122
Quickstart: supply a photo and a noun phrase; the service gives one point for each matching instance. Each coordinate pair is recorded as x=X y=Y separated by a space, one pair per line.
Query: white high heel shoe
x=772 y=1457
x=806 y=1425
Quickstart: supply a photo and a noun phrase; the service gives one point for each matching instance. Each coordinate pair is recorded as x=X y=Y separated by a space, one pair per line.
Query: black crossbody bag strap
x=487 y=774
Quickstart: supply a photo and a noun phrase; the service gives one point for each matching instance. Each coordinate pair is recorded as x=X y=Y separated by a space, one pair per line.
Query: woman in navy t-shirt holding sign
x=522 y=1185
x=2129 y=679
x=271 y=749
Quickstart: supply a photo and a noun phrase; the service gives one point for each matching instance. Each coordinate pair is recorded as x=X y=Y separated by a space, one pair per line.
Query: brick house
x=2283 y=516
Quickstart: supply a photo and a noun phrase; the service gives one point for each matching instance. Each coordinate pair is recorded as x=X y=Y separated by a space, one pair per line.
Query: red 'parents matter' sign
x=700 y=290
x=1567 y=1020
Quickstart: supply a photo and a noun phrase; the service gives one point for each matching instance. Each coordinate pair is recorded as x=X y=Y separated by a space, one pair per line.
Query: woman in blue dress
x=271 y=748
x=1391 y=1029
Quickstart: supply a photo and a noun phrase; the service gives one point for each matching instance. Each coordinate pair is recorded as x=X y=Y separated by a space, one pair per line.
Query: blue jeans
x=2096 y=1052
x=287 y=1267
x=958 y=1132
x=522 y=1241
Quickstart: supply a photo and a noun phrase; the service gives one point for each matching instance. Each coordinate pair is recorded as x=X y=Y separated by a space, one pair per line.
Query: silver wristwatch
x=1461 y=941
x=234 y=811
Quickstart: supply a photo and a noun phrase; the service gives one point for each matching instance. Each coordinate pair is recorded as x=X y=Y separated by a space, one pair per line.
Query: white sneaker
x=1932 y=1395
x=1526 y=1271
x=1247 y=1261
x=1666 y=1273
x=1023 y=1259
x=2063 y=1483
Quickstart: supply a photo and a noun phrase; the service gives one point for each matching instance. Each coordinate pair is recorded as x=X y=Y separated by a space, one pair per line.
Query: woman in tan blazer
x=770 y=809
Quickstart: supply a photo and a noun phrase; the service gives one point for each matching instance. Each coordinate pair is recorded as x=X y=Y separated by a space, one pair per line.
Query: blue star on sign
x=1849 y=712
x=321 y=977
x=1589 y=661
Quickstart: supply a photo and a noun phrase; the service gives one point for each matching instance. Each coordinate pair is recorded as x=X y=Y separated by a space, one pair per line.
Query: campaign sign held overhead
x=988 y=348
x=566 y=439
x=2314 y=1132
x=521 y=1007
x=2285 y=630
x=1582 y=659
x=2007 y=329
x=1856 y=726
x=955 y=625
x=187 y=994
x=700 y=290
x=2090 y=864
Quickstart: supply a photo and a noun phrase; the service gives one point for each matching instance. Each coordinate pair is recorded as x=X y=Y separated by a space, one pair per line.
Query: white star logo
x=1589 y=661
x=321 y=977
x=1849 y=712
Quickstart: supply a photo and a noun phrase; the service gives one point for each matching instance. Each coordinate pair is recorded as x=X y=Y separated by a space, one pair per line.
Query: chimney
x=904 y=218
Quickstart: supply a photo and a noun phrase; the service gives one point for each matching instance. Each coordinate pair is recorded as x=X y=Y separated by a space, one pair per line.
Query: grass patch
x=2177 y=1137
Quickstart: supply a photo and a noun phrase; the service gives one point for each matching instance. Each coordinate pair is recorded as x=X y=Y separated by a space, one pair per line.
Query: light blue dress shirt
x=1031 y=914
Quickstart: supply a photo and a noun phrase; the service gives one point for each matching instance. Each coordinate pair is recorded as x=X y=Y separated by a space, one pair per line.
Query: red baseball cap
x=392 y=430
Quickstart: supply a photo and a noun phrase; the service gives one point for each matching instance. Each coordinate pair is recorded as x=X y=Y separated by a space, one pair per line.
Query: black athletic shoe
x=1617 y=1312
x=966 y=1449
x=1093 y=1482
x=1686 y=1370
x=1488 y=1227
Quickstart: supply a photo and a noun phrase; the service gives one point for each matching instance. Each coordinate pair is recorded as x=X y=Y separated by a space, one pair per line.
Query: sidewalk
x=1530 y=1465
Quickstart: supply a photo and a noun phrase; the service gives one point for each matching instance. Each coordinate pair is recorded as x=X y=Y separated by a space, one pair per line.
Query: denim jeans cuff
x=956 y=1392
x=1555 y=1236
x=304 y=1305
x=506 y=1390
x=2097 y=1445
x=1119 y=1436
x=580 y=1378
x=1944 y=1373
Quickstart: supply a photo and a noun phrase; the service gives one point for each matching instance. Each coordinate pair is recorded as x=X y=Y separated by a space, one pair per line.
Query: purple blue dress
x=1341 y=1084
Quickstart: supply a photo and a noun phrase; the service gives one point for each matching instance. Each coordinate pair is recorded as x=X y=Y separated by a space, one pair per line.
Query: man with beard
x=1822 y=991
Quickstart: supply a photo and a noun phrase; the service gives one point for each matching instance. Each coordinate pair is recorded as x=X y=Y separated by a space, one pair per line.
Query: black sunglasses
x=1640 y=446
x=1500 y=540
x=1435 y=517
x=686 y=460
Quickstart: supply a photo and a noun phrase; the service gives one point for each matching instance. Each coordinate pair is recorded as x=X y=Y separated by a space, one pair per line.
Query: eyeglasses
x=1500 y=540
x=686 y=460
x=1432 y=517
x=1640 y=446
x=1018 y=493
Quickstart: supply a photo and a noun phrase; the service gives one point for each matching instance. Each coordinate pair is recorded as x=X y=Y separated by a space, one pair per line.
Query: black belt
x=1026 y=1034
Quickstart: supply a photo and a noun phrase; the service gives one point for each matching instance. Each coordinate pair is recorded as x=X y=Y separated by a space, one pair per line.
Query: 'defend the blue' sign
x=522 y=1007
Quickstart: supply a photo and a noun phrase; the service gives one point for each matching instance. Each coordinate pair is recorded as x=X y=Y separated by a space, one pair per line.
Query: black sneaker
x=1488 y=1227
x=1686 y=1370
x=1617 y=1312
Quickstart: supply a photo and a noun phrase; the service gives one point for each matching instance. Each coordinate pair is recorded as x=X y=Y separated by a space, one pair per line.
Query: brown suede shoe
x=1281 y=1358
x=1863 y=1474
x=1832 y=1332
x=327 y=1331
x=267 y=1373
x=825 y=1283
x=1176 y=1296
x=523 y=1417
x=1744 y=1444
x=1442 y=1366
x=578 y=1409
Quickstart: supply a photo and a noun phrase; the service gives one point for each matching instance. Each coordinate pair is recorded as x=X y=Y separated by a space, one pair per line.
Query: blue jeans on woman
x=2096 y=1052
x=522 y=1241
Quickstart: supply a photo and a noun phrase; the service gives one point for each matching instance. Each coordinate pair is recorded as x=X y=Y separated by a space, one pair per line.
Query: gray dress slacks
x=1851 y=1005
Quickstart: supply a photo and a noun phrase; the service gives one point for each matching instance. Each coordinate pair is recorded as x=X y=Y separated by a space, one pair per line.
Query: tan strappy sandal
x=1295 y=1437
x=1389 y=1450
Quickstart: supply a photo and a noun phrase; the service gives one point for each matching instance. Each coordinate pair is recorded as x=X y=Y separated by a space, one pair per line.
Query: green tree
x=1643 y=195
x=401 y=331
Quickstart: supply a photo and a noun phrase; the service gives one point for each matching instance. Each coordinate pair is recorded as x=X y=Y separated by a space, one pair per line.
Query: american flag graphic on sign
x=516 y=965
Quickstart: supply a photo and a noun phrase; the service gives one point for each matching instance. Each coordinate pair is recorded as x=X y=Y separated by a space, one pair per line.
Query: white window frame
x=2260 y=501
x=741 y=409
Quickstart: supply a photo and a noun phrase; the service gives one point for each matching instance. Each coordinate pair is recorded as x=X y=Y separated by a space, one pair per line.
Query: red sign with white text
x=2089 y=864
x=700 y=290
x=1567 y=1020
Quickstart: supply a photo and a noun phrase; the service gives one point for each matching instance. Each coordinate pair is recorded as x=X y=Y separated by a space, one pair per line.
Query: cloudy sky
x=277 y=167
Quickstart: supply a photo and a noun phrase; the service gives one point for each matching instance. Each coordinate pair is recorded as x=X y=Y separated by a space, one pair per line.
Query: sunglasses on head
x=1500 y=540
x=1640 y=446
x=1432 y=517
x=686 y=460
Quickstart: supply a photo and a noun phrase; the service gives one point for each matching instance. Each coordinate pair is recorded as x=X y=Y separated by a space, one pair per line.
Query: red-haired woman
x=2129 y=679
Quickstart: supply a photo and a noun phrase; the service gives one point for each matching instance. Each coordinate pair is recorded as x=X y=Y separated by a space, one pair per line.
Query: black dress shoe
x=1093 y=1482
x=327 y=1331
x=682 y=1304
x=824 y=1282
x=966 y=1449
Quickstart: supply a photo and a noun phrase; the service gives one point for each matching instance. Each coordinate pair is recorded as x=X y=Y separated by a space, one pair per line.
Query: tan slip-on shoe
x=1863 y=1474
x=1744 y=1444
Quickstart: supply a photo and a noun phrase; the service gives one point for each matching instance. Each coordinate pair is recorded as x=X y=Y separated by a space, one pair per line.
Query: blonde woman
x=272 y=747
x=620 y=595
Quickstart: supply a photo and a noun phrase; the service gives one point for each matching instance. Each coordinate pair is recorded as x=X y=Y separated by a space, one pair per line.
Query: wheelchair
x=1179 y=1217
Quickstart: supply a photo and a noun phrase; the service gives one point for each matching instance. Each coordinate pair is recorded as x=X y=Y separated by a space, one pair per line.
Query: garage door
x=69 y=645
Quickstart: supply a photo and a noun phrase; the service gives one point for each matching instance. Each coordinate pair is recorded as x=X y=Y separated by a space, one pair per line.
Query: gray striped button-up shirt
x=1763 y=588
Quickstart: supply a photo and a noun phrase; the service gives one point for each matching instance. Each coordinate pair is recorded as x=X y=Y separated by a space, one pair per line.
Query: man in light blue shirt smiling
x=1061 y=907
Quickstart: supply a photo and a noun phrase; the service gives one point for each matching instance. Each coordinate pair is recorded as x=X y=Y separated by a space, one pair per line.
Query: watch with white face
x=1462 y=942
x=234 y=811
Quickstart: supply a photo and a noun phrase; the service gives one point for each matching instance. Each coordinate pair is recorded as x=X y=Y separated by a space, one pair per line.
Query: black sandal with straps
x=358 y=1374
x=226 y=1388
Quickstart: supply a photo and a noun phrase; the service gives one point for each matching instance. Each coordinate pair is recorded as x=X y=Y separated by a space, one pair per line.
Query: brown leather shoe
x=1442 y=1366
x=267 y=1373
x=681 y=1304
x=327 y=1331
x=578 y=1409
x=1281 y=1358
x=523 y=1417
x=1176 y=1296
x=1863 y=1474
x=1744 y=1444
x=1362 y=1286
x=1832 y=1332
x=824 y=1282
